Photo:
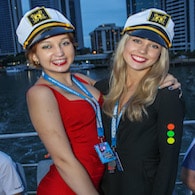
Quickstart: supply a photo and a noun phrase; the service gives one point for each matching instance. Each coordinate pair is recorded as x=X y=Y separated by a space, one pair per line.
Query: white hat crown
x=152 y=19
x=38 y=19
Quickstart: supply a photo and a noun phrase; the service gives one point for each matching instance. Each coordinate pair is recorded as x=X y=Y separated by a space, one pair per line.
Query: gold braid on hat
x=166 y=39
x=42 y=27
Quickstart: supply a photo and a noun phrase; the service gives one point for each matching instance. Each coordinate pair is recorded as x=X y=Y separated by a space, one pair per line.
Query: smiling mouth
x=138 y=58
x=59 y=62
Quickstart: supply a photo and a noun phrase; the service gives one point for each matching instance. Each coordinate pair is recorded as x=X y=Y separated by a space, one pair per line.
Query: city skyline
x=87 y=16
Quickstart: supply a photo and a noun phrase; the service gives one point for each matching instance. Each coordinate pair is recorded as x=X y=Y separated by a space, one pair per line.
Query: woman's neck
x=130 y=87
x=127 y=94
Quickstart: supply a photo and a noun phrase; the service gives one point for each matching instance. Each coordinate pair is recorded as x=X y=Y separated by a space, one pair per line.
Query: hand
x=171 y=82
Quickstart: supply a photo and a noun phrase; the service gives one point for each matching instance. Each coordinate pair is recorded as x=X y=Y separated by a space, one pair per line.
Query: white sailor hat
x=41 y=23
x=153 y=24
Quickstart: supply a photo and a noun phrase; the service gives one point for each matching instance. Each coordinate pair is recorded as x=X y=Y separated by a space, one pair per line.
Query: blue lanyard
x=115 y=123
x=89 y=98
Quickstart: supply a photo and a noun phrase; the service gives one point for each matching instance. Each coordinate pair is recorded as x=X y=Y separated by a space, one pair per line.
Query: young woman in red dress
x=62 y=106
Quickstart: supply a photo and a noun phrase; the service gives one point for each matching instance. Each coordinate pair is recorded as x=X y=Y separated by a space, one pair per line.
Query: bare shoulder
x=86 y=78
x=39 y=93
x=41 y=103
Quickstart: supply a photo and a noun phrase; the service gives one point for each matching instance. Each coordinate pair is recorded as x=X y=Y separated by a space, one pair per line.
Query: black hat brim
x=150 y=35
x=49 y=32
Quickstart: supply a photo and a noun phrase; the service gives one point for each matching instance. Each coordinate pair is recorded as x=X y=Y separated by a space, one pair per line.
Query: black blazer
x=149 y=160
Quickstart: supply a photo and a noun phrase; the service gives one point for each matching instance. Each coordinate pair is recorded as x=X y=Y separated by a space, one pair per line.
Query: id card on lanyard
x=103 y=149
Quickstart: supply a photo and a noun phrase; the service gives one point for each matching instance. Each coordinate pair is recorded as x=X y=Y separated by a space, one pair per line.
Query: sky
x=98 y=12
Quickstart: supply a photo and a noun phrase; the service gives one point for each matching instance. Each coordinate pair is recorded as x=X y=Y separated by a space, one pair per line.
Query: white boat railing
x=186 y=122
x=16 y=135
x=31 y=134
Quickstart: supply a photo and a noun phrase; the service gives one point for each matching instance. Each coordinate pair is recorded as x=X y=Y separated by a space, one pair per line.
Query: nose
x=143 y=48
x=59 y=51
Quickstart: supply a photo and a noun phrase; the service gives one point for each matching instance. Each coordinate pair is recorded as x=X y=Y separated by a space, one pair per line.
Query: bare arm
x=170 y=81
x=188 y=178
x=45 y=116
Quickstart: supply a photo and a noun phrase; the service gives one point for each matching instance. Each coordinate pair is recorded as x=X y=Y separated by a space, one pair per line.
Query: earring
x=36 y=62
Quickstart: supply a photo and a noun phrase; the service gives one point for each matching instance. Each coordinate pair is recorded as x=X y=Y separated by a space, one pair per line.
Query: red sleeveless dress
x=79 y=120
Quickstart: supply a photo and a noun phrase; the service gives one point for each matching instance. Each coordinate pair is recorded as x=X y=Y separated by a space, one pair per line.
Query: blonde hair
x=146 y=90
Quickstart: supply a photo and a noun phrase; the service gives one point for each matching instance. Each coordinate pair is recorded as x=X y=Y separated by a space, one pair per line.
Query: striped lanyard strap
x=89 y=98
x=115 y=123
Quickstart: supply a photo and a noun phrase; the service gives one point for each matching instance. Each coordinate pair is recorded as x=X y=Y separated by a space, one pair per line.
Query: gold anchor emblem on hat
x=159 y=18
x=38 y=16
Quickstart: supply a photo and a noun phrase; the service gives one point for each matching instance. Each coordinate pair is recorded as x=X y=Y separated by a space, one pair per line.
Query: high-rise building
x=12 y=11
x=105 y=38
x=134 y=6
x=183 y=15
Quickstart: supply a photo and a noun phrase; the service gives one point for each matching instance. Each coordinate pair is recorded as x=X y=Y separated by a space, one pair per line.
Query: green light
x=170 y=133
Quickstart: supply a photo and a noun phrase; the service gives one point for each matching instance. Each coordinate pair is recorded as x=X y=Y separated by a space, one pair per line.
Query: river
x=14 y=116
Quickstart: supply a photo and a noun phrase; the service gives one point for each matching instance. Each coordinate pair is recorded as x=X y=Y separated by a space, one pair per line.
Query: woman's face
x=140 y=54
x=55 y=53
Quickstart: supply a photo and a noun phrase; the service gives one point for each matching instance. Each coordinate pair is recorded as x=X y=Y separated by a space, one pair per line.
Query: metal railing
x=33 y=134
